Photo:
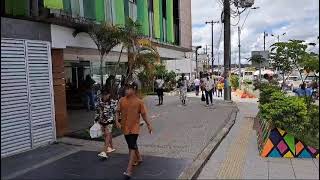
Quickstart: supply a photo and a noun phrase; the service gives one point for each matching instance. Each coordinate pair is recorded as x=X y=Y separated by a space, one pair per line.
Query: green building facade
x=156 y=17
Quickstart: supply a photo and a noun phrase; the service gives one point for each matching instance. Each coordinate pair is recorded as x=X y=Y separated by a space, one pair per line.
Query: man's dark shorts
x=132 y=141
x=160 y=92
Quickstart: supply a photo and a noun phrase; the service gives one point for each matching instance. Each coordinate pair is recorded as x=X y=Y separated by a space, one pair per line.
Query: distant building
x=265 y=55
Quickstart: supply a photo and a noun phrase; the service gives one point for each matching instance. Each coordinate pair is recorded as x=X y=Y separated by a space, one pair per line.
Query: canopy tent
x=269 y=72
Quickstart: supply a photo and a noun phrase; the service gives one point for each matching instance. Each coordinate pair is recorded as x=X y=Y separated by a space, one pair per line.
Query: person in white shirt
x=160 y=86
x=197 y=85
x=209 y=85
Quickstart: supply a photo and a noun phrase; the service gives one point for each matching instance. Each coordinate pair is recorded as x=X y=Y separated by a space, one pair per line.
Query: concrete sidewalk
x=237 y=157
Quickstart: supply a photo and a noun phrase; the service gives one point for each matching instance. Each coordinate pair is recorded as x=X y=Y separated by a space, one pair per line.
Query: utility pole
x=212 y=23
x=239 y=32
x=264 y=40
x=197 y=68
x=227 y=49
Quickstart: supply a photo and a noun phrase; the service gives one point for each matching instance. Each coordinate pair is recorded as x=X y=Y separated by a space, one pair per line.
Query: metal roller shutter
x=14 y=98
x=39 y=76
x=26 y=96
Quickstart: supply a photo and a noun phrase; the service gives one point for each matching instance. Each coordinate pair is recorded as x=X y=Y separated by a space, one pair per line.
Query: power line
x=245 y=19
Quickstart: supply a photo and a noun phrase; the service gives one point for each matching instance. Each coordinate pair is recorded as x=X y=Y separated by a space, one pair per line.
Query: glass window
x=108 y=13
x=133 y=10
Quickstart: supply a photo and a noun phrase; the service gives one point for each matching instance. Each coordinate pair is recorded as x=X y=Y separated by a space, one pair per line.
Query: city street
x=71 y=70
x=180 y=135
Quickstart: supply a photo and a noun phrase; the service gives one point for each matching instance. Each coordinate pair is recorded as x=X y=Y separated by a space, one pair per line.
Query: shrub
x=247 y=81
x=293 y=114
x=288 y=113
x=265 y=92
x=234 y=80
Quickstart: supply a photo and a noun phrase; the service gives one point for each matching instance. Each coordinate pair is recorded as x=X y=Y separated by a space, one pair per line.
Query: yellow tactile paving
x=232 y=166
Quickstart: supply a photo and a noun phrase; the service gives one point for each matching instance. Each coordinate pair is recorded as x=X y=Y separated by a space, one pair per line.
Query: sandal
x=103 y=155
x=110 y=150
x=127 y=175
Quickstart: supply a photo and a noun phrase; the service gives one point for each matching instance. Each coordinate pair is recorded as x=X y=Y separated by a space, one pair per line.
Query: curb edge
x=193 y=171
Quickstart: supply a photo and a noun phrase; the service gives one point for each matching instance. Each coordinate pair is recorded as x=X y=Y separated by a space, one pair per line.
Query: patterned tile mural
x=275 y=142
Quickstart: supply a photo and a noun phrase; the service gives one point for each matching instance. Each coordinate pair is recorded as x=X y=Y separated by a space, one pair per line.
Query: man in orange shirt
x=130 y=109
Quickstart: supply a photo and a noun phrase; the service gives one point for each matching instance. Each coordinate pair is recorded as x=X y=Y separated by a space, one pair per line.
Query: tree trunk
x=101 y=72
x=259 y=72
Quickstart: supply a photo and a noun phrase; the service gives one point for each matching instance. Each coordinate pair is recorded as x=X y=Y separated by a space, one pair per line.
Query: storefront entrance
x=75 y=74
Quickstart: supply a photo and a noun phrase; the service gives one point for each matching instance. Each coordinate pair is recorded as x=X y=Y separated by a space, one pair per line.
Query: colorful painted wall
x=277 y=143
x=98 y=10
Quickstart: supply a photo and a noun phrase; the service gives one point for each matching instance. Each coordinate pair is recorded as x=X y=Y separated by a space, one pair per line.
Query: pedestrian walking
x=105 y=115
x=130 y=108
x=220 y=88
x=159 y=89
x=197 y=85
x=183 y=88
x=89 y=97
x=209 y=84
x=202 y=86
x=216 y=82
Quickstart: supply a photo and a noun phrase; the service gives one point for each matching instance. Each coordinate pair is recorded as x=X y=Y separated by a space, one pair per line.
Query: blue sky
x=299 y=19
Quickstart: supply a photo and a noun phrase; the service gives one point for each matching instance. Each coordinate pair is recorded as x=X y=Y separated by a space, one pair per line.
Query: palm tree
x=105 y=36
x=139 y=56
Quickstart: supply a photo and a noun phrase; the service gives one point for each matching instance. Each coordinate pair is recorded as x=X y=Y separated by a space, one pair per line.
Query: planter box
x=277 y=143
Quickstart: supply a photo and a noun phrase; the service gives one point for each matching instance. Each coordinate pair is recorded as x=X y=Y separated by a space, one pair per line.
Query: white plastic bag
x=95 y=131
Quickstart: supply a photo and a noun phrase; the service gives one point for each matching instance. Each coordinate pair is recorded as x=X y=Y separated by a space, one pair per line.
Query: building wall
x=59 y=92
x=185 y=24
x=62 y=38
x=23 y=29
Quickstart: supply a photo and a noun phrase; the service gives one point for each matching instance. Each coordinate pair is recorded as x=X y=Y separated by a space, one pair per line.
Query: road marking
x=232 y=166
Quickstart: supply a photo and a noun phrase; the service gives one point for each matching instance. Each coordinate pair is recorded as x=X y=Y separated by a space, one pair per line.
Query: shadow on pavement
x=86 y=165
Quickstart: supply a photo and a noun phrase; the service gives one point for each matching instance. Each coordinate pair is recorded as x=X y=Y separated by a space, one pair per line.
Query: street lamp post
x=197 y=68
x=278 y=36
x=212 y=23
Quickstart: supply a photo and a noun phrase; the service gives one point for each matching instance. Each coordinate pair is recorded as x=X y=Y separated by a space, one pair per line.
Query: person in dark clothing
x=110 y=86
x=122 y=89
x=88 y=85
x=160 y=86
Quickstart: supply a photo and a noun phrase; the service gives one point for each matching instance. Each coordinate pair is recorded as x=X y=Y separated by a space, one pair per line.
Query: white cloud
x=298 y=18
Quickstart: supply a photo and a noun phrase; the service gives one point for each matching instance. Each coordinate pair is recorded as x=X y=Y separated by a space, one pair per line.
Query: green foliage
x=310 y=62
x=234 y=80
x=160 y=70
x=257 y=59
x=288 y=113
x=291 y=113
x=170 y=80
x=265 y=91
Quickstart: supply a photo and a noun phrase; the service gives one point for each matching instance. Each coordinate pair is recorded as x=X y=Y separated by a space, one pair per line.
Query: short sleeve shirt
x=196 y=82
x=160 y=83
x=130 y=110
x=105 y=111
x=209 y=84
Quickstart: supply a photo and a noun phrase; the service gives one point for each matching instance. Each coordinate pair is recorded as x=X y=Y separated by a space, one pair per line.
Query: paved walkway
x=237 y=157
x=180 y=135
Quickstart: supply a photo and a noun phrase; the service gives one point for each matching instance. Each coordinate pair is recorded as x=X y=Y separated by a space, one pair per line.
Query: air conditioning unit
x=244 y=3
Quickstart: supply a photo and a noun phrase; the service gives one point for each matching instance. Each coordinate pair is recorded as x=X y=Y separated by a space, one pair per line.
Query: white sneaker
x=110 y=150
x=103 y=155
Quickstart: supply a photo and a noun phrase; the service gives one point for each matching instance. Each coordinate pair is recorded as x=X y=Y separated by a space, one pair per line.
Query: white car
x=292 y=82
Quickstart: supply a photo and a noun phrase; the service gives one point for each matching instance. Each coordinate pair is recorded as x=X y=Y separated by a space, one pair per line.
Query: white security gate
x=27 y=119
